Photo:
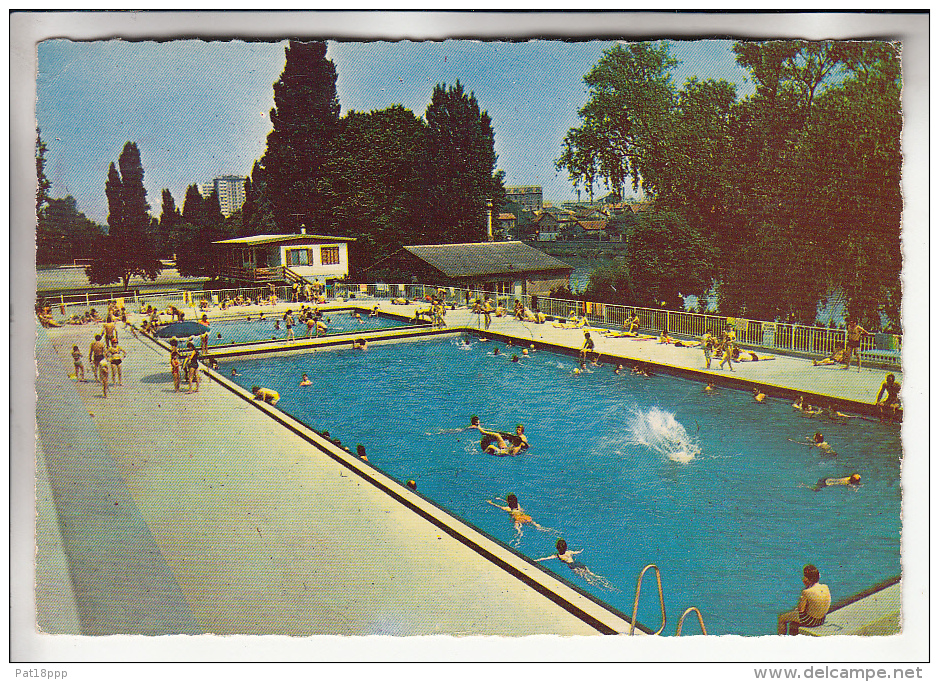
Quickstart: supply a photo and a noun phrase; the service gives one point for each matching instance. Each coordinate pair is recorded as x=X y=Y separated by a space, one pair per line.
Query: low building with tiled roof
x=511 y=268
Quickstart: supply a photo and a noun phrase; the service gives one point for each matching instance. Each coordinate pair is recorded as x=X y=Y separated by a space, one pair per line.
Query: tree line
x=776 y=200
x=386 y=177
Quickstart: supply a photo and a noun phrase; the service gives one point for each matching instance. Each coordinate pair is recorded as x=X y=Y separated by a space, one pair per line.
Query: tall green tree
x=64 y=233
x=43 y=185
x=376 y=182
x=257 y=212
x=203 y=224
x=130 y=247
x=305 y=122
x=796 y=185
x=667 y=258
x=170 y=219
x=194 y=206
x=626 y=120
x=460 y=176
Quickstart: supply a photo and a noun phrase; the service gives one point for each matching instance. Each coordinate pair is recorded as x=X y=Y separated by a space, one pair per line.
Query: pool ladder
x=658 y=577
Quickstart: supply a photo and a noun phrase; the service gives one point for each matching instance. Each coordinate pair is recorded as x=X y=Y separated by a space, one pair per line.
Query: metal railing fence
x=756 y=333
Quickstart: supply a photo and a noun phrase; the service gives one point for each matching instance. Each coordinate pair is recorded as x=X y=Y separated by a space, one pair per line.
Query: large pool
x=251 y=328
x=631 y=470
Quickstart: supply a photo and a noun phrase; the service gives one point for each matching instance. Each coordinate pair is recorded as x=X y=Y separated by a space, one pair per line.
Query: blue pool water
x=243 y=330
x=631 y=470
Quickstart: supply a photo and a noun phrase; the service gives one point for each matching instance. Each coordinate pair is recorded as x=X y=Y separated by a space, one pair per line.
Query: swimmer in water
x=519 y=517
x=567 y=556
x=503 y=445
x=805 y=408
x=759 y=396
x=306 y=381
x=235 y=373
x=618 y=370
x=818 y=441
x=854 y=480
x=709 y=388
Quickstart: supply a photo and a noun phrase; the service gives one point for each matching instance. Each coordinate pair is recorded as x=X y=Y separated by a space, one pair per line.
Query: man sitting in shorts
x=812 y=608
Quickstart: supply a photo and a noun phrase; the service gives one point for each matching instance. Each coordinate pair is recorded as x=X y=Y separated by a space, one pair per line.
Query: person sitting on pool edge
x=853 y=480
x=812 y=608
x=266 y=395
x=890 y=389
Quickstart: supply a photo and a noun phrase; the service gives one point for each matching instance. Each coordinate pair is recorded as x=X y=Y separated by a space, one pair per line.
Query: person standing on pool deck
x=101 y=371
x=567 y=556
x=115 y=354
x=707 y=343
x=96 y=353
x=109 y=330
x=812 y=608
x=853 y=344
x=192 y=367
x=79 y=367
x=288 y=322
x=174 y=368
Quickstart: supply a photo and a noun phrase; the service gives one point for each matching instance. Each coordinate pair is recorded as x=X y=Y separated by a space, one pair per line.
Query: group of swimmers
x=520 y=518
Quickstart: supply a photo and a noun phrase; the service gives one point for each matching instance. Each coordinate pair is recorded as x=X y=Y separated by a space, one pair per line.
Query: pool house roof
x=259 y=239
x=486 y=258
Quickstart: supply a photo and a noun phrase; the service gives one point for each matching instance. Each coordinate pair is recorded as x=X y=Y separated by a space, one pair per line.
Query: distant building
x=231 y=192
x=527 y=196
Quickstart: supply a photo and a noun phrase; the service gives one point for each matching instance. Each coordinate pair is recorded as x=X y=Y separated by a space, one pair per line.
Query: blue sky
x=201 y=109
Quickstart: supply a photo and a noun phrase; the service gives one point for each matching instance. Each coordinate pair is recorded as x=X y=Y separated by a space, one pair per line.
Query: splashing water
x=660 y=431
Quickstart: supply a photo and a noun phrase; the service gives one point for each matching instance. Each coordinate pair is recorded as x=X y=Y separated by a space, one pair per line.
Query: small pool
x=251 y=328
x=631 y=470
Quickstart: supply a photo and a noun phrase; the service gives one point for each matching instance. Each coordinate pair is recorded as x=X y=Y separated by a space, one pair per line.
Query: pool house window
x=300 y=256
x=329 y=255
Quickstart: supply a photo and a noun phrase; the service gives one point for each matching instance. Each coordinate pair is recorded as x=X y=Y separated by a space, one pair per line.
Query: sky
x=198 y=110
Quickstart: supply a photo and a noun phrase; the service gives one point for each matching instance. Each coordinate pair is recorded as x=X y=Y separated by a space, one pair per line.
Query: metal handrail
x=682 y=620
x=658 y=575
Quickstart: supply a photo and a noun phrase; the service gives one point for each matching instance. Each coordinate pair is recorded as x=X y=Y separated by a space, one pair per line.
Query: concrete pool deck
x=161 y=512
x=176 y=513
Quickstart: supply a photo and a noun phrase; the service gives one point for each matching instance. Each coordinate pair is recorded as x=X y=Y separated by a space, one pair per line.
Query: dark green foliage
x=459 y=168
x=796 y=187
x=666 y=260
x=375 y=182
x=170 y=219
x=203 y=224
x=292 y=188
x=43 y=184
x=64 y=233
x=130 y=248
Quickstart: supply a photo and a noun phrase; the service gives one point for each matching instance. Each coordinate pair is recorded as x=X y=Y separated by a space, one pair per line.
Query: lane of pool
x=252 y=328
x=630 y=470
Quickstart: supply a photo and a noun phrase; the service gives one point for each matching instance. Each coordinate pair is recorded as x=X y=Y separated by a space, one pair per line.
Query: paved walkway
x=197 y=513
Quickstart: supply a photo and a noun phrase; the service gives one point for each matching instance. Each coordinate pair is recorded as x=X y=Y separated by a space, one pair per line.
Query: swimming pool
x=252 y=329
x=631 y=470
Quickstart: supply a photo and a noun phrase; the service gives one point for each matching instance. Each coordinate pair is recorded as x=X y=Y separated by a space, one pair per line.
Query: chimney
x=489 y=216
